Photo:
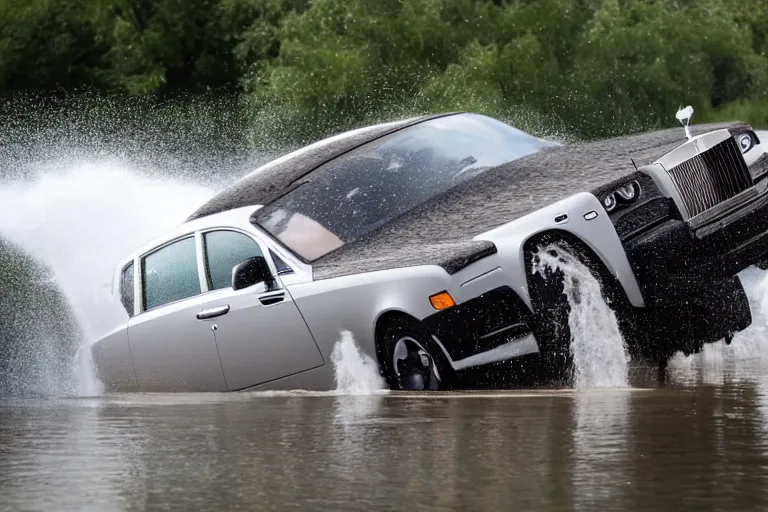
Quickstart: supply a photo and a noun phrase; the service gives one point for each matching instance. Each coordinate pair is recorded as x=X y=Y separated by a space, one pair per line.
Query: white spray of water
x=749 y=347
x=356 y=373
x=80 y=219
x=600 y=356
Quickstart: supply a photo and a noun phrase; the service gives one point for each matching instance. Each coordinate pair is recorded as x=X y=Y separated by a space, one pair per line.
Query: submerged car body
x=419 y=237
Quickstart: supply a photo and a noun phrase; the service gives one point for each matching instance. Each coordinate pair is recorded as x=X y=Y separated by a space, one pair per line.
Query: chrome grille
x=711 y=177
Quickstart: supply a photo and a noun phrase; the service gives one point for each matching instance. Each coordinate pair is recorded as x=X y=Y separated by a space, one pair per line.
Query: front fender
x=583 y=216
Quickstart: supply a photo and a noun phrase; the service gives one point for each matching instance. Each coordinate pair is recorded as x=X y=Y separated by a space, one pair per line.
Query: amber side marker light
x=442 y=300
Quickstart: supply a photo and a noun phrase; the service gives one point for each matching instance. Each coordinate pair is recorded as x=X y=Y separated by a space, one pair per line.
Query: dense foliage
x=587 y=67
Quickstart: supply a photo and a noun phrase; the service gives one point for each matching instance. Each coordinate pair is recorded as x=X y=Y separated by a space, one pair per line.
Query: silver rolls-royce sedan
x=420 y=238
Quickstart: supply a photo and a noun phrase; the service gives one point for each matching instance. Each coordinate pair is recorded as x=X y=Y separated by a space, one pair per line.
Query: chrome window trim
x=290 y=270
x=137 y=291
x=200 y=254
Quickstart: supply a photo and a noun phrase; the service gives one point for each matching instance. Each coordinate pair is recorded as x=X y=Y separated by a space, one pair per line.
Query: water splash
x=356 y=373
x=79 y=219
x=747 y=353
x=599 y=352
x=84 y=372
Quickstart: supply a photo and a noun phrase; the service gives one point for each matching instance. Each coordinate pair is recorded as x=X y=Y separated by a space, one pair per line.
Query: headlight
x=745 y=137
x=746 y=142
x=624 y=194
x=628 y=193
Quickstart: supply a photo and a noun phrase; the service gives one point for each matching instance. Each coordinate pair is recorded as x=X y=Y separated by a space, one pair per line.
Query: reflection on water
x=718 y=363
x=632 y=449
x=600 y=441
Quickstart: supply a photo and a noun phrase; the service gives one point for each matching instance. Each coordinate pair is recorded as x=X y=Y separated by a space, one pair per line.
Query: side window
x=282 y=267
x=126 y=289
x=170 y=274
x=224 y=250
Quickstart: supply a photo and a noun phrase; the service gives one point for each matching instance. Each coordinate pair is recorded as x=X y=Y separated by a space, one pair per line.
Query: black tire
x=652 y=334
x=711 y=313
x=412 y=374
x=551 y=329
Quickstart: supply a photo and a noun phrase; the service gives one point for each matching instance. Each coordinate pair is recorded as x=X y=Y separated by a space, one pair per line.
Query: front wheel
x=412 y=360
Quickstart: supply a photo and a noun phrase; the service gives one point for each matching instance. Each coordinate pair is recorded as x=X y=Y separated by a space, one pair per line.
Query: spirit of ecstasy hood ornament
x=684 y=115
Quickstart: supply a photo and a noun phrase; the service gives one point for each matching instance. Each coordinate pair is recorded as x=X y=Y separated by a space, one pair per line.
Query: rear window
x=170 y=274
x=126 y=289
x=361 y=191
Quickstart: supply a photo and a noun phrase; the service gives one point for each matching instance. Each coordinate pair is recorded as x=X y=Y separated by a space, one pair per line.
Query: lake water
x=699 y=441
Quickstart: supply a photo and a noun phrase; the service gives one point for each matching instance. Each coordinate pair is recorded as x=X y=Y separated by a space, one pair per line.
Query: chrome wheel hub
x=414 y=366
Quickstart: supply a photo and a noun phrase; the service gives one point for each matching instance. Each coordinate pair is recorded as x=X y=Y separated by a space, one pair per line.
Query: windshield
x=357 y=193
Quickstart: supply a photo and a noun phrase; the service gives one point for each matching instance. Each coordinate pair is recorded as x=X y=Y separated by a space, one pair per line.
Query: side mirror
x=250 y=272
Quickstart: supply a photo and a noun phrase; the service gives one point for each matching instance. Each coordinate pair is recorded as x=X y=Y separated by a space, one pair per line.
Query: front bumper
x=677 y=258
x=483 y=323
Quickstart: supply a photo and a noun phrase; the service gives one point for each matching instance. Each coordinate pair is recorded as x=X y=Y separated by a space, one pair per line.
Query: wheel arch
x=551 y=310
x=580 y=215
x=383 y=319
x=585 y=253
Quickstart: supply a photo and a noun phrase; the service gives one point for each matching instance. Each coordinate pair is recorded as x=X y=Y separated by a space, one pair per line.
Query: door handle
x=213 y=312
x=272 y=299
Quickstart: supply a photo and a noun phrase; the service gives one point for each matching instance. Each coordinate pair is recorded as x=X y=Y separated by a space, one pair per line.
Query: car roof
x=234 y=205
x=279 y=176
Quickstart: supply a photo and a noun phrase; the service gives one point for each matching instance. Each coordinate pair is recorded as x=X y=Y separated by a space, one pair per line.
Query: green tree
x=309 y=67
x=637 y=62
x=47 y=44
x=162 y=45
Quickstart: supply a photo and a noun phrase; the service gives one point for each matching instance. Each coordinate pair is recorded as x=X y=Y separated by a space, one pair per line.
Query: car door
x=171 y=349
x=260 y=333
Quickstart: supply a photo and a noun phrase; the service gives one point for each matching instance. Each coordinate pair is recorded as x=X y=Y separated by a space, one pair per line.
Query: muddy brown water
x=697 y=442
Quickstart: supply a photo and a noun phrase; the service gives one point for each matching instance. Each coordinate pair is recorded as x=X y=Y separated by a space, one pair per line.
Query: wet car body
x=418 y=237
